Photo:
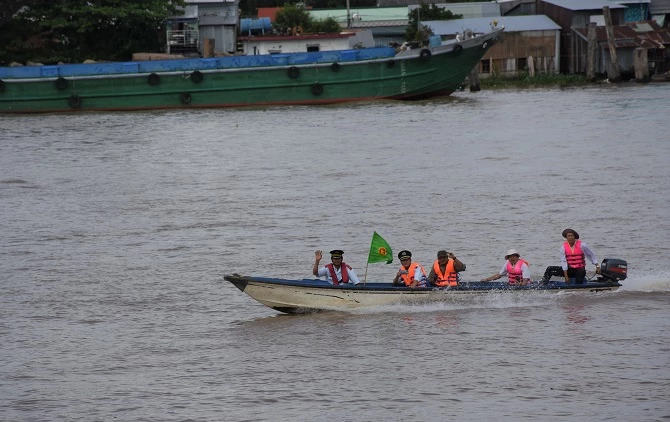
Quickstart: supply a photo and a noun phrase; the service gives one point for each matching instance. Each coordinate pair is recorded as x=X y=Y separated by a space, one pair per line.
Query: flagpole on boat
x=349 y=26
x=365 y=277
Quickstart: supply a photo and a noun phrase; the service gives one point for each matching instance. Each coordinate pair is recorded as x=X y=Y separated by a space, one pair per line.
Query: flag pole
x=365 y=277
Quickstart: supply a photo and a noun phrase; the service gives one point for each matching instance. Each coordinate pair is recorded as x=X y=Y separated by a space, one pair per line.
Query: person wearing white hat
x=516 y=269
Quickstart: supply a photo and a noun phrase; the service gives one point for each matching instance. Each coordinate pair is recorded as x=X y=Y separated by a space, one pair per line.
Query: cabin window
x=521 y=63
x=486 y=66
x=313 y=48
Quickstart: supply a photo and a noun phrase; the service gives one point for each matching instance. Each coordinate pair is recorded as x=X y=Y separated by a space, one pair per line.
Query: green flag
x=380 y=251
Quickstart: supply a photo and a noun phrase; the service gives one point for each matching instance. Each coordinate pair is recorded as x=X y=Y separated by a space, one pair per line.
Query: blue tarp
x=233 y=62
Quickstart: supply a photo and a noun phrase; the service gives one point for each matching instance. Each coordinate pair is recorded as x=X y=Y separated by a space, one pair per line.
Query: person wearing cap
x=337 y=272
x=574 y=254
x=516 y=269
x=445 y=270
x=410 y=273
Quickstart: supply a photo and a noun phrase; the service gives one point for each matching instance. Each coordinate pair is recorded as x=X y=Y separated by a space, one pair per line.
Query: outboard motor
x=613 y=270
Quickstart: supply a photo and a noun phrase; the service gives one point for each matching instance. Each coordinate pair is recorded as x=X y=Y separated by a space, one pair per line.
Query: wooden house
x=569 y=14
x=528 y=42
x=628 y=37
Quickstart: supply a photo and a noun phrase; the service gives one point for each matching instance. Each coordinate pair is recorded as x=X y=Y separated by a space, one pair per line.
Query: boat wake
x=647 y=281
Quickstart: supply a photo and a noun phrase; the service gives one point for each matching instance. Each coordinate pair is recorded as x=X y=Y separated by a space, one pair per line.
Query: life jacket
x=574 y=255
x=333 y=275
x=514 y=271
x=409 y=277
x=449 y=277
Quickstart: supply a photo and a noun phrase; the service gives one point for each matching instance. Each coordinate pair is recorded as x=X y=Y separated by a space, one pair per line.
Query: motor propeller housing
x=614 y=269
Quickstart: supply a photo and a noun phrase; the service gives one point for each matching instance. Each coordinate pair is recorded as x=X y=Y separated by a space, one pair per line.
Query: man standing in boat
x=411 y=273
x=337 y=272
x=516 y=270
x=574 y=253
x=445 y=270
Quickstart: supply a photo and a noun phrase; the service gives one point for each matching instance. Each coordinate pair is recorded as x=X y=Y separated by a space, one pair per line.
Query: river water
x=117 y=229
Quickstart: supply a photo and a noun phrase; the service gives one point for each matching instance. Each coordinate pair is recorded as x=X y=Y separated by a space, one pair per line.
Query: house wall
x=219 y=22
x=568 y=19
x=253 y=47
x=507 y=58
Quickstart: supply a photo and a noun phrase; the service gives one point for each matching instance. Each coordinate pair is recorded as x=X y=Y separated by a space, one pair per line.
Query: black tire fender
x=458 y=48
x=390 y=64
x=61 y=83
x=317 y=89
x=196 y=76
x=153 y=79
x=293 y=72
x=185 y=97
x=74 y=101
x=335 y=67
x=425 y=54
x=2 y=85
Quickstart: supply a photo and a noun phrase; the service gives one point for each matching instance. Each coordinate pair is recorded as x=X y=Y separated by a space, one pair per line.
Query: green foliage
x=75 y=30
x=425 y=12
x=292 y=16
x=295 y=15
x=327 y=26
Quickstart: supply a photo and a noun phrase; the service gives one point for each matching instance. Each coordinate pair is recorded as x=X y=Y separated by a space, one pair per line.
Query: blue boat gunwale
x=201 y=64
x=463 y=286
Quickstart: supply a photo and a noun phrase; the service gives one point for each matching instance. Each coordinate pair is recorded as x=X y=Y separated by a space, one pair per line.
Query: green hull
x=410 y=75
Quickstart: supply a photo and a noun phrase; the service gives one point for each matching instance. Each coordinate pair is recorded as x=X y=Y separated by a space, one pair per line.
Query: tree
x=417 y=32
x=74 y=30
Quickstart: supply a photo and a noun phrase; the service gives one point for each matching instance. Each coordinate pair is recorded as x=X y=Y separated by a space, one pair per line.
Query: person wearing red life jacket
x=444 y=272
x=516 y=269
x=574 y=254
x=337 y=272
x=411 y=274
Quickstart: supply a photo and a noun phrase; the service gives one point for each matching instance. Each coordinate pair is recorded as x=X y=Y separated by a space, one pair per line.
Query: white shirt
x=353 y=278
x=588 y=254
x=525 y=271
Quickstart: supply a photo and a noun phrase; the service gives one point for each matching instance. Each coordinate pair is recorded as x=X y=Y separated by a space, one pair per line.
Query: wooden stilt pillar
x=641 y=65
x=591 y=52
x=613 y=70
x=474 y=79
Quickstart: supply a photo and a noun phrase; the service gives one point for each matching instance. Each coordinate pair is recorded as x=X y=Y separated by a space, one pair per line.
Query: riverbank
x=544 y=79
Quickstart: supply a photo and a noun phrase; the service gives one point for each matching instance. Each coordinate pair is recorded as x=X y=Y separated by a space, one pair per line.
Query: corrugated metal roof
x=468 y=10
x=632 y=35
x=584 y=4
x=659 y=7
x=511 y=23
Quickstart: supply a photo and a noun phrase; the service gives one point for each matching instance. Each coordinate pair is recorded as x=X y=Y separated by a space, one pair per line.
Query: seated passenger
x=410 y=273
x=516 y=269
x=445 y=270
x=337 y=272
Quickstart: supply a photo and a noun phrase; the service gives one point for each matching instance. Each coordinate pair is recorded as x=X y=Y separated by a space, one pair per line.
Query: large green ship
x=275 y=79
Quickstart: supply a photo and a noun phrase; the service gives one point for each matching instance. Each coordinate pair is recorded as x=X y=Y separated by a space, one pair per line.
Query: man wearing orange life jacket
x=337 y=272
x=411 y=274
x=574 y=253
x=516 y=269
x=445 y=270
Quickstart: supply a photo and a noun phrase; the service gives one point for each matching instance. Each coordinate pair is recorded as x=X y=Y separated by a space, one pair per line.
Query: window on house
x=486 y=66
x=313 y=48
x=521 y=63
